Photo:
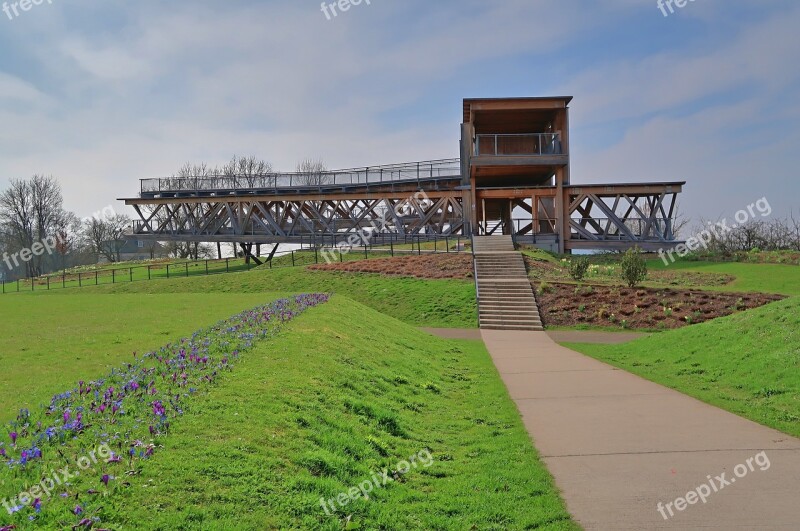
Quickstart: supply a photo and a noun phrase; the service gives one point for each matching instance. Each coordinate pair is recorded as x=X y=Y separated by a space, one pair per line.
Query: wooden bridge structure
x=513 y=178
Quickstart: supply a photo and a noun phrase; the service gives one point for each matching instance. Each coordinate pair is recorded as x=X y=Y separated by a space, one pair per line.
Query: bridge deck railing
x=419 y=171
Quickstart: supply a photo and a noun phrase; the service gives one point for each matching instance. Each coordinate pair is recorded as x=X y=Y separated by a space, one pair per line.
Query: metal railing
x=543 y=226
x=502 y=145
x=227 y=184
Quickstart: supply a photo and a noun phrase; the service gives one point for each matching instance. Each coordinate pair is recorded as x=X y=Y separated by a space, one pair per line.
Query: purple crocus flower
x=13 y=436
x=37 y=505
x=78 y=510
x=105 y=479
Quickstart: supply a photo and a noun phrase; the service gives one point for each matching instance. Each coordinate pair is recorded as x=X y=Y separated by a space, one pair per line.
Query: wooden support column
x=562 y=212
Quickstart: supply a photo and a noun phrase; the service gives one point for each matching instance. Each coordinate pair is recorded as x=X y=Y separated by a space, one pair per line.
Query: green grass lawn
x=343 y=393
x=748 y=363
x=48 y=343
x=765 y=278
x=431 y=303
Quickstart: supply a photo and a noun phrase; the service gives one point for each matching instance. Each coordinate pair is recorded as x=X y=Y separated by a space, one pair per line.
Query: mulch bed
x=639 y=308
x=432 y=266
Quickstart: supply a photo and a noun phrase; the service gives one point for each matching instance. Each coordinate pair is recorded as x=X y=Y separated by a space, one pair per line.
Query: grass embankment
x=47 y=344
x=431 y=303
x=344 y=393
x=748 y=363
x=341 y=394
x=766 y=278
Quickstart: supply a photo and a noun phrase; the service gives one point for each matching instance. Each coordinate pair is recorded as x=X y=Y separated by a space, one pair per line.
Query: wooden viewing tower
x=513 y=178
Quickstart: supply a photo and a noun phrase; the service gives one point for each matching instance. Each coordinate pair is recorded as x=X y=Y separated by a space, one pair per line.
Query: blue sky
x=100 y=94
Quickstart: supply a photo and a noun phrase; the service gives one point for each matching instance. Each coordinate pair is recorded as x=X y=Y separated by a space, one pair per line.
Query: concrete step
x=504 y=291
x=506 y=314
x=510 y=317
x=512 y=326
x=499 y=322
x=506 y=298
x=506 y=324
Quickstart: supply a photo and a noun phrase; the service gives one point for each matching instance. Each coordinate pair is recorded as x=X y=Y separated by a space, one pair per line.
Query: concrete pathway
x=560 y=336
x=619 y=445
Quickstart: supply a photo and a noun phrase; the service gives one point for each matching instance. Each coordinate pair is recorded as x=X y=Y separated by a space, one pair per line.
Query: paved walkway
x=618 y=445
x=561 y=336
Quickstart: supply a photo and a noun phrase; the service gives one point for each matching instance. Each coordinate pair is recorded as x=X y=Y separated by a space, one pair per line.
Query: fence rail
x=293 y=258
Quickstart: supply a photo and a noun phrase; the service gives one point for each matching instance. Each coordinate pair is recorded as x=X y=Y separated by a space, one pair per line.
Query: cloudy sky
x=102 y=93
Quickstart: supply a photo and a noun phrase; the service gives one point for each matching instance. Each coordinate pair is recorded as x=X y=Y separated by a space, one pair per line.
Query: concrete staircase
x=505 y=296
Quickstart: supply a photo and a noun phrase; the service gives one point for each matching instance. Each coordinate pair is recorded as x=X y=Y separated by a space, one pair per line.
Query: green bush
x=578 y=267
x=634 y=267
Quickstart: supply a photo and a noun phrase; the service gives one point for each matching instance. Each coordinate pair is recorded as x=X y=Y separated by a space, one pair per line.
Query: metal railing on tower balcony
x=533 y=144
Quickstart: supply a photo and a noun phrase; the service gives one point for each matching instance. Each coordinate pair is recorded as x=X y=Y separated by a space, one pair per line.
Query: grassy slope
x=765 y=278
x=747 y=363
x=342 y=393
x=432 y=303
x=49 y=343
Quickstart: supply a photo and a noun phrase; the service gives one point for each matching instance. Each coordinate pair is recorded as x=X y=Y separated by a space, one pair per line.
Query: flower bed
x=88 y=439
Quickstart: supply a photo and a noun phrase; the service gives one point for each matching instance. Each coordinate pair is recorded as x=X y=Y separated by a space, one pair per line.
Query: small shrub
x=544 y=287
x=634 y=267
x=578 y=267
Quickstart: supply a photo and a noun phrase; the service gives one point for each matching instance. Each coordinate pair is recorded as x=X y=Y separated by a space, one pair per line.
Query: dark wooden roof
x=549 y=102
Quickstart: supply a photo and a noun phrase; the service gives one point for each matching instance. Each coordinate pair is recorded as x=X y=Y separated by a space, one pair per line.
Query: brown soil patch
x=432 y=266
x=639 y=308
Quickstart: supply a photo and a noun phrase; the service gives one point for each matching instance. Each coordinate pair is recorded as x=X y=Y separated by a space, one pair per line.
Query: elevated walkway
x=431 y=175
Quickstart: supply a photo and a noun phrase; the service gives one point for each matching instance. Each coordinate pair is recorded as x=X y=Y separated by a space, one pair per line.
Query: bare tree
x=679 y=221
x=312 y=172
x=31 y=211
x=69 y=240
x=106 y=236
x=249 y=172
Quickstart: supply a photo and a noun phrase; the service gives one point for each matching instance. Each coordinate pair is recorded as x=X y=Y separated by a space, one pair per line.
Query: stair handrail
x=475 y=274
